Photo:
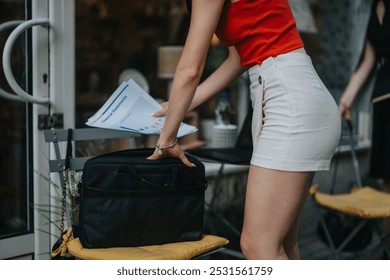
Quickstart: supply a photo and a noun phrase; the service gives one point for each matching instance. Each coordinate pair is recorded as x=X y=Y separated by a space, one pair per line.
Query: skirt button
x=260 y=80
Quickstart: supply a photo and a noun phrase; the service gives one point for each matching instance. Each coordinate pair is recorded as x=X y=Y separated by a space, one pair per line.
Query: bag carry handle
x=60 y=247
x=68 y=175
x=355 y=161
x=65 y=173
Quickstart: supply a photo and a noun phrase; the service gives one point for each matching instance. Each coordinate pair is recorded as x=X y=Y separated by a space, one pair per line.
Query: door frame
x=53 y=57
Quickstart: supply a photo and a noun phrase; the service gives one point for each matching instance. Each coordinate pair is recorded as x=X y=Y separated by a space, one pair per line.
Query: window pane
x=14 y=202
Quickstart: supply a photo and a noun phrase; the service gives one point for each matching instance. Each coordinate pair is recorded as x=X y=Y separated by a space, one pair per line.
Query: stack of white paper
x=131 y=108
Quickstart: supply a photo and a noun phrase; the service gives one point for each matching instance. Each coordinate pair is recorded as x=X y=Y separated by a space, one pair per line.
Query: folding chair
x=174 y=251
x=240 y=154
x=366 y=204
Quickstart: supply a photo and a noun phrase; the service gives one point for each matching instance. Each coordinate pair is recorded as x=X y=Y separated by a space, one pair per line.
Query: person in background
x=375 y=58
x=296 y=124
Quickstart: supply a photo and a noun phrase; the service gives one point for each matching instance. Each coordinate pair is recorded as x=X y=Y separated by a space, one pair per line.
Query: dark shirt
x=379 y=36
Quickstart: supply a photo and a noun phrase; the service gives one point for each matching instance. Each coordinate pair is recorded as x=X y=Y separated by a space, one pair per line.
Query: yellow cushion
x=171 y=251
x=364 y=202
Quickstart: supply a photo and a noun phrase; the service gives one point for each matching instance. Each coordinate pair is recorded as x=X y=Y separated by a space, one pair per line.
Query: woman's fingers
x=175 y=151
x=345 y=111
x=154 y=156
x=185 y=161
x=163 y=111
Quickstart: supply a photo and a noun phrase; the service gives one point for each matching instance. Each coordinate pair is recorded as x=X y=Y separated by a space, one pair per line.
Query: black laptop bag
x=128 y=200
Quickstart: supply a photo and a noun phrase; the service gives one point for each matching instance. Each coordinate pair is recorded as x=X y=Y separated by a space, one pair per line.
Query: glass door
x=34 y=34
x=16 y=223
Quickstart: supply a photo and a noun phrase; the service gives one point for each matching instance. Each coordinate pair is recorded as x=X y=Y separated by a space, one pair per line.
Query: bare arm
x=358 y=78
x=226 y=73
x=204 y=18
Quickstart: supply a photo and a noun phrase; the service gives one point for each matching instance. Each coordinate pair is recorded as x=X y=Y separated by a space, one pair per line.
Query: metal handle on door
x=7 y=60
x=3 y=93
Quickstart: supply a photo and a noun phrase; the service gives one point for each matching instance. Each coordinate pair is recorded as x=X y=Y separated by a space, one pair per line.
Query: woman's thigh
x=274 y=200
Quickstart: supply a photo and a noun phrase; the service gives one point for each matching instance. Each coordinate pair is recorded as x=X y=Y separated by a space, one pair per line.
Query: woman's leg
x=274 y=201
x=290 y=243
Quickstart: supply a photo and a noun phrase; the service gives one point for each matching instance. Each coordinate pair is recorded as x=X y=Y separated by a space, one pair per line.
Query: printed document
x=131 y=108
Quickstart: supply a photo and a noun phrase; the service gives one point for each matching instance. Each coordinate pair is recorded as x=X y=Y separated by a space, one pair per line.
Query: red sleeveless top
x=258 y=29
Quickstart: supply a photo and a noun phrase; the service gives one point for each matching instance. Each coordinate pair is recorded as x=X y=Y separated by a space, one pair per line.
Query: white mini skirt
x=296 y=124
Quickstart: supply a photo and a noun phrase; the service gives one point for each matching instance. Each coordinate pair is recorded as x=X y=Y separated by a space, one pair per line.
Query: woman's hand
x=163 y=111
x=345 y=111
x=174 y=151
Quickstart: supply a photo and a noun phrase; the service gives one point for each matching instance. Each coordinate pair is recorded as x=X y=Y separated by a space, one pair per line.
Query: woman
x=376 y=57
x=295 y=127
